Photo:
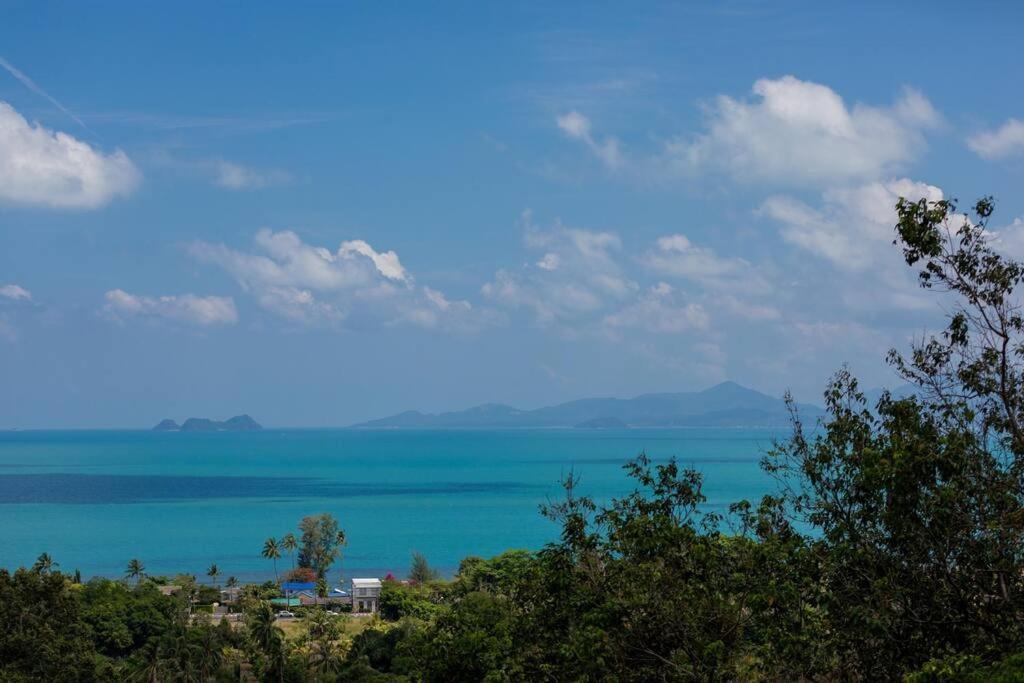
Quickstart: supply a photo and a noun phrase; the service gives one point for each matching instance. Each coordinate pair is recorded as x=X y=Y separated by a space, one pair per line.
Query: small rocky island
x=239 y=423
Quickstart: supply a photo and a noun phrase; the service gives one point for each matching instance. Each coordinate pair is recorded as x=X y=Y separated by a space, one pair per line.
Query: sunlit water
x=180 y=502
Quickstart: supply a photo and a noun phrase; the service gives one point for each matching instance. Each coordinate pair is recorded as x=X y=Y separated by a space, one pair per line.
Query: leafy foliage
x=420 y=571
x=321 y=543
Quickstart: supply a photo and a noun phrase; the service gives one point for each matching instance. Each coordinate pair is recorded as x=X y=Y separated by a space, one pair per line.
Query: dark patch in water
x=101 y=488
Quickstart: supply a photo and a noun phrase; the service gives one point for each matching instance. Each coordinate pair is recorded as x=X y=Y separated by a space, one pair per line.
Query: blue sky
x=324 y=214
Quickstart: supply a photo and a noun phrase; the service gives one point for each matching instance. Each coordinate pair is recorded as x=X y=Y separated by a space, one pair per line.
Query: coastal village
x=362 y=599
x=300 y=591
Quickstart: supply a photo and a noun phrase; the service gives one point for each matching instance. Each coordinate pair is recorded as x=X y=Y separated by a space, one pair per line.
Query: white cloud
x=578 y=275
x=854 y=226
x=581 y=285
x=46 y=168
x=15 y=293
x=659 y=310
x=287 y=261
x=577 y=127
x=235 y=176
x=677 y=256
x=186 y=308
x=1009 y=239
x=387 y=262
x=803 y=133
x=355 y=284
x=1007 y=140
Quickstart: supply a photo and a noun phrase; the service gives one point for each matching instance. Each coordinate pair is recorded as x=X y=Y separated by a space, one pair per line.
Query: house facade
x=366 y=595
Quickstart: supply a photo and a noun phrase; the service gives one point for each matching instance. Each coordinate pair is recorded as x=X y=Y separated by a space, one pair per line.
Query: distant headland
x=238 y=423
x=724 y=405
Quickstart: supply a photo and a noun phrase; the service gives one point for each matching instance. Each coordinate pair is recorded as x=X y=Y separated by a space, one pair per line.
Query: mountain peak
x=726 y=404
x=730 y=387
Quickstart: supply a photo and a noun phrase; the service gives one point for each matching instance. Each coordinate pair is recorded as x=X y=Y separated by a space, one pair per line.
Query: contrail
x=31 y=85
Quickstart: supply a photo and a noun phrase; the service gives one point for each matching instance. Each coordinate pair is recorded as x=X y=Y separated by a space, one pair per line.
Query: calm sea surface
x=179 y=502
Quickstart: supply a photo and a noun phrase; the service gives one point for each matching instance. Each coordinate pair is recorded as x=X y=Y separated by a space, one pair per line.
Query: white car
x=285 y=614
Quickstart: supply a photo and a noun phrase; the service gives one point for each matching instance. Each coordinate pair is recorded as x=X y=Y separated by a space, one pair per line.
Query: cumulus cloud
x=577 y=274
x=354 y=284
x=287 y=261
x=386 y=263
x=203 y=311
x=803 y=133
x=1005 y=141
x=583 y=284
x=15 y=293
x=576 y=126
x=40 y=167
x=660 y=309
x=1009 y=239
x=851 y=230
x=853 y=225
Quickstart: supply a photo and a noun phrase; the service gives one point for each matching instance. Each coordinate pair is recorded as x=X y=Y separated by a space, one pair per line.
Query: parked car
x=285 y=614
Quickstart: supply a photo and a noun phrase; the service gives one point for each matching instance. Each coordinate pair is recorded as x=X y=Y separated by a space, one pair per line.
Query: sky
x=324 y=213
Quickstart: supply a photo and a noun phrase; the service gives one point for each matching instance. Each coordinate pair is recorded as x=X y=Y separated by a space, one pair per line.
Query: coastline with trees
x=890 y=550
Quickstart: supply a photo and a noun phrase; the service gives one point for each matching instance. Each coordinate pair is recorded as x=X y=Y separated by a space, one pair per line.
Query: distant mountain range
x=724 y=405
x=239 y=423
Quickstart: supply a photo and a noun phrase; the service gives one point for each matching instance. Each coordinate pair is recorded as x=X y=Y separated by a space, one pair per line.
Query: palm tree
x=323 y=633
x=210 y=655
x=289 y=543
x=213 y=572
x=272 y=552
x=153 y=663
x=232 y=582
x=44 y=564
x=267 y=637
x=136 y=570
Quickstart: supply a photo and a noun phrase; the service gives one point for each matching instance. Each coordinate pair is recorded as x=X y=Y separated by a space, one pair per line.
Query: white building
x=365 y=595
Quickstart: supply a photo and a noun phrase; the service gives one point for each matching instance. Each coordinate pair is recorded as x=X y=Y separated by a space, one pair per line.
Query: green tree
x=135 y=570
x=231 y=582
x=289 y=543
x=267 y=639
x=213 y=572
x=421 y=601
x=44 y=564
x=322 y=540
x=272 y=552
x=919 y=501
x=43 y=637
x=420 y=571
x=323 y=639
x=471 y=642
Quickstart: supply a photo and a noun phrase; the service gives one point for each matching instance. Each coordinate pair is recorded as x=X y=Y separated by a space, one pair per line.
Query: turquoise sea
x=179 y=502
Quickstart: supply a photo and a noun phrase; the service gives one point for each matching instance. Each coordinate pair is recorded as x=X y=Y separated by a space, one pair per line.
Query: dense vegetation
x=892 y=549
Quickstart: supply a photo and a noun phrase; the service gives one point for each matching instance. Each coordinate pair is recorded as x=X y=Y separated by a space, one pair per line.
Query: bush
x=397 y=600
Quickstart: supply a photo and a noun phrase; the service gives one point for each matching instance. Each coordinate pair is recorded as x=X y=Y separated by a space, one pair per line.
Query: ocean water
x=179 y=502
